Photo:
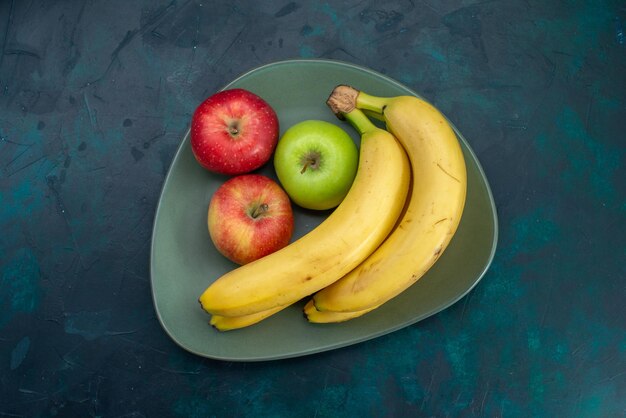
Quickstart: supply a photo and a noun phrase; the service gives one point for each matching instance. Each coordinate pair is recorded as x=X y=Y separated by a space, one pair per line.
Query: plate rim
x=181 y=145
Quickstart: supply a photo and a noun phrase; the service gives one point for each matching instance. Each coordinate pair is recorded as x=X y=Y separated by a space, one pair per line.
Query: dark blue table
x=95 y=97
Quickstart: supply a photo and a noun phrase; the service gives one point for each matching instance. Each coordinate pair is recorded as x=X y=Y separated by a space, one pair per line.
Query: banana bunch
x=353 y=231
x=430 y=218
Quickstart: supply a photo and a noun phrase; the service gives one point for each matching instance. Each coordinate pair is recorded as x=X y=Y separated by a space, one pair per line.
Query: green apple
x=316 y=162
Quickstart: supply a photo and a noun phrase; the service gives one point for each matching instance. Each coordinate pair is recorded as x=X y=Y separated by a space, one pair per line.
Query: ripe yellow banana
x=228 y=323
x=433 y=211
x=349 y=234
x=325 y=317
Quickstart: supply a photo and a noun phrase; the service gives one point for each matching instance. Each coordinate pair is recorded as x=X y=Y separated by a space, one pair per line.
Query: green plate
x=184 y=261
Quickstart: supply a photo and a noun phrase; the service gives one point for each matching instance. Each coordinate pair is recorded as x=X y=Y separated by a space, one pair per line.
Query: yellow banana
x=433 y=211
x=228 y=323
x=324 y=317
x=350 y=233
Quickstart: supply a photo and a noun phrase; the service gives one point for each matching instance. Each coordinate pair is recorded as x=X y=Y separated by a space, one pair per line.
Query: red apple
x=250 y=216
x=234 y=132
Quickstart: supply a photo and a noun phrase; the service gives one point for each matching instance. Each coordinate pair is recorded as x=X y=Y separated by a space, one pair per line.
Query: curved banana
x=325 y=317
x=433 y=211
x=229 y=323
x=350 y=233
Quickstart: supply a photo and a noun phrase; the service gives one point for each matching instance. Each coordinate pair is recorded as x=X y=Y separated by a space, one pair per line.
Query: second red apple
x=250 y=216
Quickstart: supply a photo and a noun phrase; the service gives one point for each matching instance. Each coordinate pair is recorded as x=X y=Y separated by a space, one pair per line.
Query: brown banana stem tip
x=342 y=100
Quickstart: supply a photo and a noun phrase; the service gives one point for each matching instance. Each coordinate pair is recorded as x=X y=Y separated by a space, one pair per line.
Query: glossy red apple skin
x=242 y=235
x=234 y=132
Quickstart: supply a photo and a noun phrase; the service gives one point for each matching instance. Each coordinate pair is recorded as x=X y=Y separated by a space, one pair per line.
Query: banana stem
x=345 y=98
x=375 y=115
x=370 y=103
x=359 y=121
x=342 y=102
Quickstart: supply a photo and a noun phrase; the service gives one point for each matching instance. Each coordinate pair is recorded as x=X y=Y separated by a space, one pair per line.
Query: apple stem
x=260 y=210
x=310 y=160
x=233 y=128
